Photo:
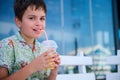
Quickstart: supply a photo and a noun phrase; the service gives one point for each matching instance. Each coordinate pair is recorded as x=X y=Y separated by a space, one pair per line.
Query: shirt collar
x=21 y=39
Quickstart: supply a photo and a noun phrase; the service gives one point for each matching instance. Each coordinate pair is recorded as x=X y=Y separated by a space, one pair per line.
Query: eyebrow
x=35 y=15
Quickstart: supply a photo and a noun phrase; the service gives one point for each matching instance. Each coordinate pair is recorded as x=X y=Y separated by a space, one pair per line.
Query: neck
x=29 y=40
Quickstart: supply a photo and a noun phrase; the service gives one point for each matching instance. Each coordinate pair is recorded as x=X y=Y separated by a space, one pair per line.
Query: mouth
x=38 y=31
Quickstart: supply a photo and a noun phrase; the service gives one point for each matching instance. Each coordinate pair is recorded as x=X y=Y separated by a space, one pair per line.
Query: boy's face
x=33 y=22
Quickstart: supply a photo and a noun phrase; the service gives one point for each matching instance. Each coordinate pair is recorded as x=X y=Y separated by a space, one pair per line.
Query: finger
x=50 y=56
x=47 y=52
x=57 y=61
x=57 y=57
x=56 y=54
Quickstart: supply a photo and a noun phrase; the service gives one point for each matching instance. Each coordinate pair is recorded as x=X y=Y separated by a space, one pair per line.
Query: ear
x=18 y=22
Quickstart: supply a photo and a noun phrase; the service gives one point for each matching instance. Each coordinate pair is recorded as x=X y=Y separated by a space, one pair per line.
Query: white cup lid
x=49 y=43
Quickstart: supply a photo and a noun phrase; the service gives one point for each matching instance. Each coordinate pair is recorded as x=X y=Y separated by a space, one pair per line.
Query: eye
x=31 y=18
x=42 y=18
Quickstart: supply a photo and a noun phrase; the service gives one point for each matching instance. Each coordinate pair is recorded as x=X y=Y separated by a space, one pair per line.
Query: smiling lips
x=38 y=31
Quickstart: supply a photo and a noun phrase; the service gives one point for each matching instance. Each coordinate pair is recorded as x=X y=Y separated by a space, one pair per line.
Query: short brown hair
x=21 y=5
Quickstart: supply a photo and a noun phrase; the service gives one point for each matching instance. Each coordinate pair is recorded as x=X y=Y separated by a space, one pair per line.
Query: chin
x=37 y=36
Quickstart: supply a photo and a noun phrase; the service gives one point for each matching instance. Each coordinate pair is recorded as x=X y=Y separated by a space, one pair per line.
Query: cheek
x=26 y=22
x=26 y=25
x=24 y=28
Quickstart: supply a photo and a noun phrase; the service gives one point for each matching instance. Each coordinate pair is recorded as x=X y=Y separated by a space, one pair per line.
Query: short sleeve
x=6 y=54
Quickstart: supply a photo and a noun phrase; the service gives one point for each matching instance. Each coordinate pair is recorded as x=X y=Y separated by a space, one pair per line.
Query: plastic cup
x=50 y=44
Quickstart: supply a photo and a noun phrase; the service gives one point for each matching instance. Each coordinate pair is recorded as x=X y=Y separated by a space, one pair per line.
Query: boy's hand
x=43 y=61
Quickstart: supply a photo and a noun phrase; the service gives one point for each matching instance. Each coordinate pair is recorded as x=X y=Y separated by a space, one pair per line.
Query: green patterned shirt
x=15 y=53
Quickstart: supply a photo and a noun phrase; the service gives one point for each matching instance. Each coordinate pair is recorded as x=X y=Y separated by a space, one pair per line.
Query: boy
x=21 y=55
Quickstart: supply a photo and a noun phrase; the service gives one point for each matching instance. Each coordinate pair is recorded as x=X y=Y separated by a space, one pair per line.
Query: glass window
x=77 y=26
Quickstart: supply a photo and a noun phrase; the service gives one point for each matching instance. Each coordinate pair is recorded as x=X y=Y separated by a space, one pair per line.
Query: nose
x=40 y=24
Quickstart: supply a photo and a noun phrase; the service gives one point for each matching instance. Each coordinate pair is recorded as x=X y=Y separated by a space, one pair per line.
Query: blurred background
x=91 y=27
